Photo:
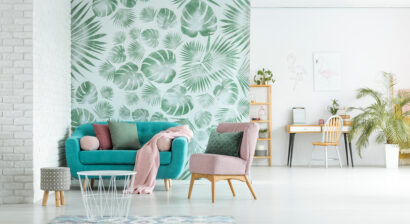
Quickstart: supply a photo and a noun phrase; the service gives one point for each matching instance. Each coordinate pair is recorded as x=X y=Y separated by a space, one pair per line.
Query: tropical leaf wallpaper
x=185 y=61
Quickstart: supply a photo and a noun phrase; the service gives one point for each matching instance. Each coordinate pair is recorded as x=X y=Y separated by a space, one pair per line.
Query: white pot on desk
x=392 y=155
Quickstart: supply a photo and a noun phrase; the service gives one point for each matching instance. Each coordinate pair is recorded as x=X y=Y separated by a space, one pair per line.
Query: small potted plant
x=385 y=119
x=263 y=77
x=334 y=108
x=263 y=133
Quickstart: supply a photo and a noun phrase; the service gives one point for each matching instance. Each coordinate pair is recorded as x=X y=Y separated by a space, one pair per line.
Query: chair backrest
x=250 y=136
x=332 y=129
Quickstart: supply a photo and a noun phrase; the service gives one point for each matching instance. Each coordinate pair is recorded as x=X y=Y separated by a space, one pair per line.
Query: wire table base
x=106 y=201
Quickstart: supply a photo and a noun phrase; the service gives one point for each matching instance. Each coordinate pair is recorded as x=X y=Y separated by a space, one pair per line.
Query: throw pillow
x=226 y=143
x=124 y=135
x=164 y=144
x=102 y=132
x=89 y=143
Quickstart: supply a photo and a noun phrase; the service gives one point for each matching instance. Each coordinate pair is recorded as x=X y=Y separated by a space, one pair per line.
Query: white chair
x=330 y=139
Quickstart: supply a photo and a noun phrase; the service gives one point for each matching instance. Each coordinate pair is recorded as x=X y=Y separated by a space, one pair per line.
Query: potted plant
x=263 y=133
x=334 y=108
x=383 y=118
x=263 y=76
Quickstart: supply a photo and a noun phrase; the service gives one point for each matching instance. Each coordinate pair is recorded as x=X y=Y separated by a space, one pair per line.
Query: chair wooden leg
x=166 y=184
x=191 y=185
x=45 y=198
x=250 y=187
x=169 y=183
x=58 y=201
x=85 y=183
x=62 y=197
x=213 y=189
x=231 y=186
x=92 y=183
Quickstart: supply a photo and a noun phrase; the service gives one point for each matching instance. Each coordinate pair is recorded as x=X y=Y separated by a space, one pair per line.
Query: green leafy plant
x=334 y=108
x=383 y=117
x=263 y=76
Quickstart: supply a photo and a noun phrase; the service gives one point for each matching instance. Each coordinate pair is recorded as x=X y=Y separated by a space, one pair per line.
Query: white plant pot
x=392 y=155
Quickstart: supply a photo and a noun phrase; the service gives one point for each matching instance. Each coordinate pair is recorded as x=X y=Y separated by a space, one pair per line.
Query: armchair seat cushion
x=123 y=157
x=217 y=164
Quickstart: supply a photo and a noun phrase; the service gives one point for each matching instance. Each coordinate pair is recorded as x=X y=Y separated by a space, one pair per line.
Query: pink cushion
x=216 y=164
x=164 y=144
x=102 y=132
x=89 y=143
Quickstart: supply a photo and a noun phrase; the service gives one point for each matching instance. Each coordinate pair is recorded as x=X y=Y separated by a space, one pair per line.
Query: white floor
x=297 y=195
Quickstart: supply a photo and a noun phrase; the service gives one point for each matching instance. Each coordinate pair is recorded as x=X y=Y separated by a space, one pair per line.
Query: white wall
x=370 y=40
x=52 y=81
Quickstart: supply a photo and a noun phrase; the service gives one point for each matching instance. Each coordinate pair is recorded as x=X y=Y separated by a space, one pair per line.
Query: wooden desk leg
x=290 y=142
x=346 y=149
x=291 y=148
x=351 y=154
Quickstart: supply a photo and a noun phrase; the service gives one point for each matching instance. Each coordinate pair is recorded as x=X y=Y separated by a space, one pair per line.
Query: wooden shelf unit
x=268 y=121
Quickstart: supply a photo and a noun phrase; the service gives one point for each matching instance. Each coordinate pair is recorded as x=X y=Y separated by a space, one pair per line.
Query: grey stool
x=57 y=179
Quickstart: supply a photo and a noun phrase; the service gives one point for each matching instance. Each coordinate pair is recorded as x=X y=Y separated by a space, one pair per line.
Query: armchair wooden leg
x=85 y=183
x=166 y=184
x=250 y=187
x=191 y=185
x=62 y=197
x=170 y=183
x=231 y=186
x=213 y=189
x=45 y=198
x=92 y=183
x=58 y=202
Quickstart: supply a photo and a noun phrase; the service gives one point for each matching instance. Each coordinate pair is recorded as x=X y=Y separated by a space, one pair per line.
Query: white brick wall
x=16 y=97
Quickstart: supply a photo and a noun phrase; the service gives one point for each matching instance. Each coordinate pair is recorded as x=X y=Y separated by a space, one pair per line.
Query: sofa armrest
x=72 y=151
x=179 y=155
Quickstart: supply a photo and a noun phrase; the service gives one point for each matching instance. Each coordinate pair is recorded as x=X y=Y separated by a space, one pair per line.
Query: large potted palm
x=384 y=118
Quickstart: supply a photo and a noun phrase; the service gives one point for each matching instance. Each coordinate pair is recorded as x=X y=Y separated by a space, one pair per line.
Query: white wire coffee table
x=106 y=202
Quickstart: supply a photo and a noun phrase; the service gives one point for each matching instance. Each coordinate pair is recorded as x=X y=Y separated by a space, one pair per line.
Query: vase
x=392 y=155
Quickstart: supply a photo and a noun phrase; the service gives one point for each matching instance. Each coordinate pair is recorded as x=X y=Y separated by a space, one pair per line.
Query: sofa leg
x=231 y=186
x=166 y=184
x=170 y=183
x=191 y=185
x=85 y=182
x=250 y=187
x=92 y=183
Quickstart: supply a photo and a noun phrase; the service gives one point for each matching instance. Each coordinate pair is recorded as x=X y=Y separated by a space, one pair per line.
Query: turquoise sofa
x=172 y=162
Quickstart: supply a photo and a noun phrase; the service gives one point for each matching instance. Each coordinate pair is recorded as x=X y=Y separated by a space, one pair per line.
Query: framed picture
x=327 y=71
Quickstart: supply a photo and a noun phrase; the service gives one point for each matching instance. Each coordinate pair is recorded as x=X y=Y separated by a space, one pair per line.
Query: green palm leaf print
x=206 y=100
x=127 y=77
x=172 y=40
x=202 y=118
x=132 y=99
x=86 y=93
x=226 y=92
x=151 y=95
x=103 y=8
x=107 y=70
x=198 y=17
x=243 y=108
x=236 y=23
x=123 y=17
x=135 y=33
x=119 y=37
x=243 y=76
x=124 y=113
x=150 y=37
x=203 y=64
x=86 y=40
x=136 y=51
x=104 y=110
x=118 y=54
x=182 y=121
x=129 y=3
x=158 y=116
x=227 y=115
x=158 y=66
x=166 y=18
x=80 y=116
x=147 y=14
x=140 y=115
x=107 y=92
x=176 y=101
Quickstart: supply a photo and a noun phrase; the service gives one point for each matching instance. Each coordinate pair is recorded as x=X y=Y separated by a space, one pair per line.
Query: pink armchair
x=220 y=167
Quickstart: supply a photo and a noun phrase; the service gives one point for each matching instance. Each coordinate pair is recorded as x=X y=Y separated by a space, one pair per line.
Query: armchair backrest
x=250 y=136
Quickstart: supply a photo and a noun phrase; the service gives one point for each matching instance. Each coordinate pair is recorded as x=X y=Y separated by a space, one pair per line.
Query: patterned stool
x=57 y=179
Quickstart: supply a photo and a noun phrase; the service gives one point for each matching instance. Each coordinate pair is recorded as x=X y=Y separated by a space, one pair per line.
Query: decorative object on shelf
x=321 y=122
x=261 y=112
x=261 y=150
x=263 y=133
x=256 y=119
x=334 y=108
x=263 y=77
x=327 y=71
x=342 y=112
x=268 y=121
x=299 y=115
x=57 y=179
x=253 y=98
x=383 y=117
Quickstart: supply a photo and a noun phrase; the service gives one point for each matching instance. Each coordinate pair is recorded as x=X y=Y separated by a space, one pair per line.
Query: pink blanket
x=147 y=160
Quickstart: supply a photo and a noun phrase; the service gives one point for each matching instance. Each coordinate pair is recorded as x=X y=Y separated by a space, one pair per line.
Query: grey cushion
x=55 y=179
